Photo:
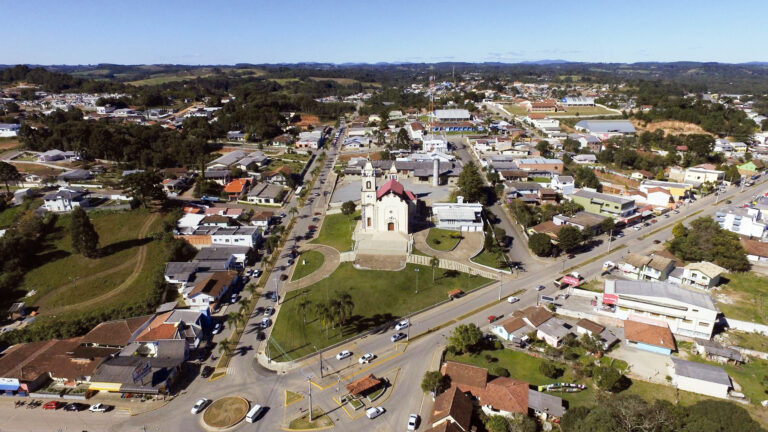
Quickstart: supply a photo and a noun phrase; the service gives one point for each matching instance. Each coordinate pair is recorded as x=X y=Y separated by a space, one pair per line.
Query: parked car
x=249 y=272
x=404 y=324
x=233 y=299
x=413 y=422
x=283 y=277
x=269 y=311
x=75 y=406
x=366 y=358
x=344 y=354
x=257 y=273
x=217 y=328
x=99 y=407
x=397 y=336
x=206 y=372
x=374 y=412
x=656 y=241
x=540 y=287
x=266 y=322
x=620 y=234
x=513 y=299
x=53 y=405
x=199 y=406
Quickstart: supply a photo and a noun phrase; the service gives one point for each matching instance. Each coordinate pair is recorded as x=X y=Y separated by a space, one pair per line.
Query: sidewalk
x=331 y=261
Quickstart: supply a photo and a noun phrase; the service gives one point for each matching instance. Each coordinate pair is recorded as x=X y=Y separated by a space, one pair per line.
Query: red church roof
x=396 y=188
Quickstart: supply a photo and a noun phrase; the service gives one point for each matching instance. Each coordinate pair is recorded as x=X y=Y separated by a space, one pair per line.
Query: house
x=236 y=188
x=562 y=184
x=209 y=291
x=703 y=275
x=66 y=199
x=605 y=129
x=714 y=351
x=689 y=313
x=218 y=176
x=262 y=219
x=653 y=268
x=310 y=139
x=745 y=221
x=657 y=197
x=279 y=176
x=702 y=174
x=180 y=272
x=678 y=191
x=749 y=168
x=9 y=130
x=252 y=162
x=604 y=204
x=266 y=194
x=584 y=159
x=452 y=409
x=415 y=130
x=534 y=316
x=248 y=236
x=51 y=156
x=283 y=140
x=552 y=331
x=514 y=330
x=236 y=136
x=541 y=165
x=458 y=216
x=217 y=220
x=581 y=220
x=757 y=251
x=17 y=311
x=607 y=338
x=174 y=186
x=649 y=335
x=701 y=378
x=225 y=161
x=221 y=257
x=116 y=333
x=74 y=176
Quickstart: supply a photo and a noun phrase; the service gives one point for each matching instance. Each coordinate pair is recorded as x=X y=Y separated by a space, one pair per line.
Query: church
x=388 y=208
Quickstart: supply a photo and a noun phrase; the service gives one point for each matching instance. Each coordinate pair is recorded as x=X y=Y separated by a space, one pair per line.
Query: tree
x=543 y=148
x=8 y=173
x=540 y=244
x=470 y=183
x=225 y=347
x=465 y=337
x=304 y=305
x=348 y=208
x=325 y=315
x=497 y=423
x=85 y=239
x=434 y=382
x=679 y=230
x=549 y=370
x=585 y=177
x=434 y=262
x=716 y=416
x=344 y=307
x=606 y=378
x=293 y=211
x=144 y=187
x=591 y=343
x=232 y=319
x=607 y=225
x=706 y=241
x=569 y=238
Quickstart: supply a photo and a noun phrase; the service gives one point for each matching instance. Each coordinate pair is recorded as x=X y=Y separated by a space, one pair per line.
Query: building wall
x=693 y=322
x=702 y=387
x=650 y=348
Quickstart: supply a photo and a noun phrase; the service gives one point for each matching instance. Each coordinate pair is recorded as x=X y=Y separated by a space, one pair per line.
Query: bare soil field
x=671 y=127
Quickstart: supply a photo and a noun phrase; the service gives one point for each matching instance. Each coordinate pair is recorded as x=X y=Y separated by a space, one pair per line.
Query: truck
x=608 y=266
x=572 y=279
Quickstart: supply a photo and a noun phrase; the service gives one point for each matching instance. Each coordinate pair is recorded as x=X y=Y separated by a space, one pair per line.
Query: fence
x=746 y=326
x=451 y=265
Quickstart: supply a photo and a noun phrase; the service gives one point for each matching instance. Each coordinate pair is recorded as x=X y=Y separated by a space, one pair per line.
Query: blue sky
x=287 y=31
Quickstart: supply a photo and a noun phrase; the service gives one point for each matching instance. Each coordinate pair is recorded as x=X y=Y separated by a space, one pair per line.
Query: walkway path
x=330 y=263
x=138 y=260
x=470 y=245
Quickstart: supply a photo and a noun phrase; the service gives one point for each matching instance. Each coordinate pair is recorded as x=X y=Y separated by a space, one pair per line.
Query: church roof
x=396 y=188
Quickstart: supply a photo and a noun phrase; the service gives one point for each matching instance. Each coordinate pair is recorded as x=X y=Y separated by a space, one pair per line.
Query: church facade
x=385 y=209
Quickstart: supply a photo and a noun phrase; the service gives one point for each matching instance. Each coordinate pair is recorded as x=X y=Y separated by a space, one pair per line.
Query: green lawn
x=307 y=263
x=747 y=298
x=58 y=266
x=9 y=215
x=443 y=240
x=489 y=259
x=379 y=297
x=336 y=231
x=753 y=341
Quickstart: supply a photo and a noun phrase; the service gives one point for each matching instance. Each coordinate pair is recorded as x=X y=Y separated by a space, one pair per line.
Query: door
x=391 y=226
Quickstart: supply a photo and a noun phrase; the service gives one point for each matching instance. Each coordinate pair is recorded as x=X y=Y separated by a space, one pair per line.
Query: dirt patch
x=372 y=155
x=226 y=412
x=9 y=144
x=41 y=170
x=670 y=127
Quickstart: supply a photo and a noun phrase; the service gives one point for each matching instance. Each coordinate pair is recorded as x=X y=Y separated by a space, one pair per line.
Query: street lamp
x=417 y=280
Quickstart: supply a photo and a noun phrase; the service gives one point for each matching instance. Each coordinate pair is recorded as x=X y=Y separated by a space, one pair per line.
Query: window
x=368 y=222
x=368 y=184
x=703 y=324
x=687 y=321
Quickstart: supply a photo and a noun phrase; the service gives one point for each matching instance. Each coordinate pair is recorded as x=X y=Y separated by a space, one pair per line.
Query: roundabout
x=225 y=413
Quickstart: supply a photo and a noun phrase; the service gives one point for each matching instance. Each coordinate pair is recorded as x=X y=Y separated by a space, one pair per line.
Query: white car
x=404 y=324
x=344 y=354
x=269 y=311
x=413 y=422
x=397 y=336
x=513 y=299
x=266 y=322
x=99 y=407
x=366 y=358
x=217 y=328
x=374 y=412
x=249 y=272
x=199 y=406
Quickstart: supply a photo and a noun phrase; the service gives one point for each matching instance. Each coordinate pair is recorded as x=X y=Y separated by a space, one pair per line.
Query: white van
x=253 y=414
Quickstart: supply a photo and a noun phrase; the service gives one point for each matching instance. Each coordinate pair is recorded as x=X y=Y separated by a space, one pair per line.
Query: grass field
x=489 y=259
x=515 y=109
x=753 y=341
x=442 y=240
x=11 y=214
x=336 y=231
x=64 y=278
x=379 y=297
x=744 y=298
x=165 y=78
x=307 y=263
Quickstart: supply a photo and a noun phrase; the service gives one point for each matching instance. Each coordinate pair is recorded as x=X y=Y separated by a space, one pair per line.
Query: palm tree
x=232 y=319
x=244 y=307
x=293 y=211
x=324 y=314
x=304 y=305
x=225 y=347
x=344 y=306
x=434 y=262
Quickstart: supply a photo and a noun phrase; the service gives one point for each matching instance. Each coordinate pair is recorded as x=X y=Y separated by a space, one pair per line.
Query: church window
x=368 y=222
x=368 y=185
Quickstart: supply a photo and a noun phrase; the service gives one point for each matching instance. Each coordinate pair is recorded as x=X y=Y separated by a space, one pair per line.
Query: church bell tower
x=368 y=196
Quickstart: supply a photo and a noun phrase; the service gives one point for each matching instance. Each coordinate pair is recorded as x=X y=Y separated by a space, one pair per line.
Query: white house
x=552 y=331
x=741 y=220
x=703 y=275
x=209 y=291
x=8 y=130
x=432 y=143
x=459 y=216
x=701 y=378
x=266 y=193
x=66 y=199
x=236 y=236
x=562 y=184
x=585 y=159
x=698 y=175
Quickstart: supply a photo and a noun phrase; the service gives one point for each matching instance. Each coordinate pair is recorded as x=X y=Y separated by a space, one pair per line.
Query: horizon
x=232 y=32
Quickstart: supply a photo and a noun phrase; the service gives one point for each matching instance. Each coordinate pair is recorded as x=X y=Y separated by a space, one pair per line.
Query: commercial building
x=742 y=220
x=452 y=115
x=701 y=378
x=9 y=130
x=603 y=204
x=678 y=191
x=687 y=312
x=605 y=129
x=699 y=174
x=458 y=216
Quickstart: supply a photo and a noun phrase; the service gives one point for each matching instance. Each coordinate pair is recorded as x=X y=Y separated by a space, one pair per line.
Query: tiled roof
x=592 y=326
x=465 y=375
x=536 y=315
x=649 y=334
x=395 y=187
x=506 y=394
x=363 y=384
x=453 y=403
x=115 y=333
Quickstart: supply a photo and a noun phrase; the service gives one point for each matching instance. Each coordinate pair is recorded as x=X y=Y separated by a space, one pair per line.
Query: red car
x=52 y=405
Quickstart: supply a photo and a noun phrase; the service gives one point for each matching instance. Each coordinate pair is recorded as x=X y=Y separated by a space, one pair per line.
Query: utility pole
x=309 y=384
x=417 y=280
x=500 y=290
x=320 y=353
x=610 y=237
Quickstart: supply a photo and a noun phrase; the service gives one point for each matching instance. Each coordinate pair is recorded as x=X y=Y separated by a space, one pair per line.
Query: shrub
x=500 y=371
x=550 y=370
